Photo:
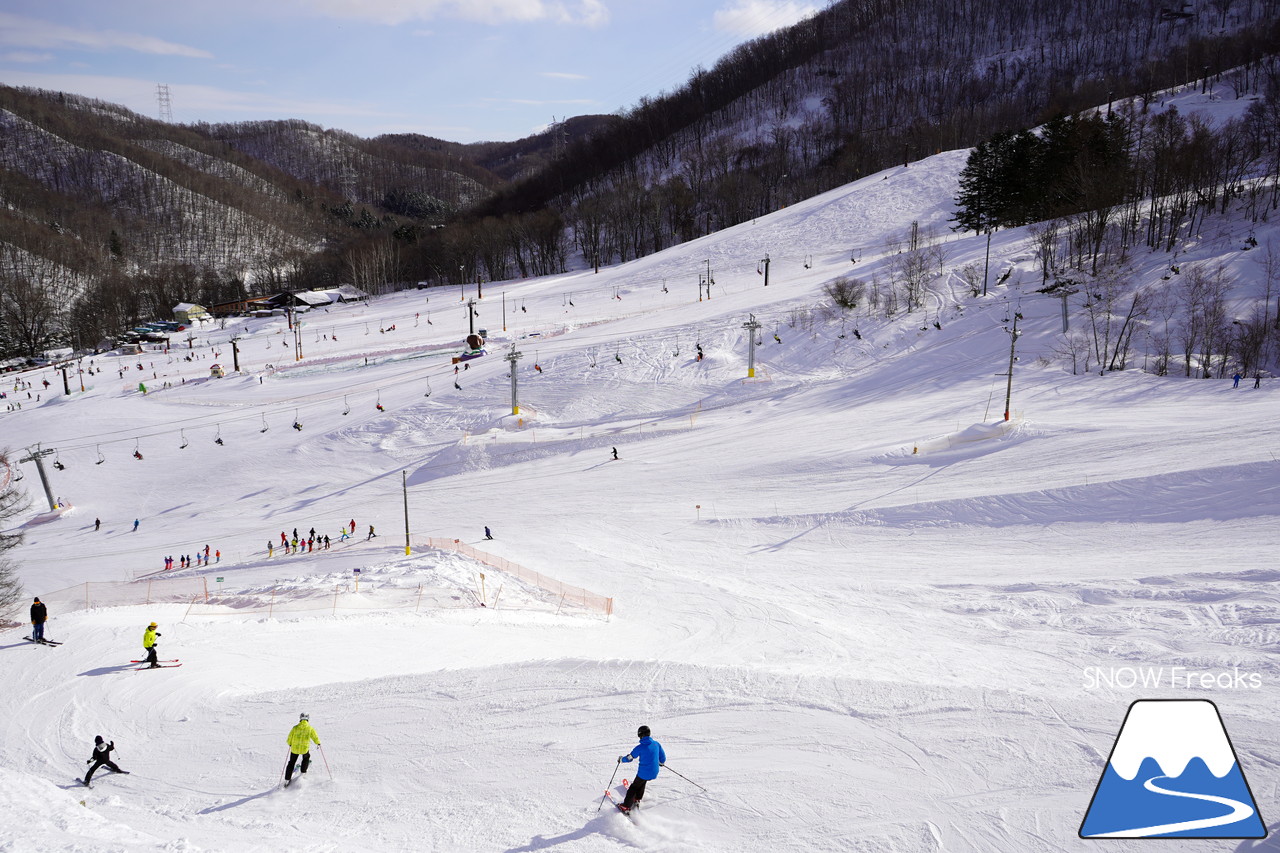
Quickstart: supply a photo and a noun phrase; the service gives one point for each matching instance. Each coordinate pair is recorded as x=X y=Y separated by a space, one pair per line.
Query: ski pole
x=326 y=762
x=284 y=768
x=684 y=777
x=607 y=787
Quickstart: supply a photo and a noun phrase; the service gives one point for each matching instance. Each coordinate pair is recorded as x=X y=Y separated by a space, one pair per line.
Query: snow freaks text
x=1175 y=677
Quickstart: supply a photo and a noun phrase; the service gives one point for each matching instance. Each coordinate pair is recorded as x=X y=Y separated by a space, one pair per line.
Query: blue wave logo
x=1173 y=773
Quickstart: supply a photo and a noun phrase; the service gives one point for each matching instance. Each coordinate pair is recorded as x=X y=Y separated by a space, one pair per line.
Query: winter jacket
x=38 y=612
x=300 y=737
x=102 y=751
x=149 y=638
x=650 y=754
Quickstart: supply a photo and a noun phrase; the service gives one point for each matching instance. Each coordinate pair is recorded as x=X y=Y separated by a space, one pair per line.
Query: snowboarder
x=487 y=534
x=101 y=757
x=149 y=638
x=38 y=616
x=97 y=525
x=300 y=737
x=615 y=454
x=651 y=756
x=136 y=522
x=371 y=534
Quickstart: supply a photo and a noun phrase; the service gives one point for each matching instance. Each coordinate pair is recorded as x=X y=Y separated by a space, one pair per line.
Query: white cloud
x=589 y=13
x=32 y=33
x=534 y=102
x=562 y=75
x=25 y=56
x=751 y=18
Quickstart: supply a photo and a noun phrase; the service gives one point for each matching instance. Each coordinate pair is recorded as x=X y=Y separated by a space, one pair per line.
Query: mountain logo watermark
x=1173 y=773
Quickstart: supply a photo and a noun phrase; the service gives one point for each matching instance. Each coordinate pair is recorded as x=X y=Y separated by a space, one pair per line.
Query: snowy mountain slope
x=849 y=645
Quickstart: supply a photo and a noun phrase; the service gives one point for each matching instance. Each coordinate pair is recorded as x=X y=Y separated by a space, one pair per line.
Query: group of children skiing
x=203 y=558
x=648 y=752
x=308 y=544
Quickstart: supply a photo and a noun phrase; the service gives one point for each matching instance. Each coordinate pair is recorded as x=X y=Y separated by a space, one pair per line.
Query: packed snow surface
x=860 y=610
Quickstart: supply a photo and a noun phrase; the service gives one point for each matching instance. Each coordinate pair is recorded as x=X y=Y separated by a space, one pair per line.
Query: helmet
x=37 y=601
x=153 y=625
x=97 y=739
x=643 y=731
x=302 y=717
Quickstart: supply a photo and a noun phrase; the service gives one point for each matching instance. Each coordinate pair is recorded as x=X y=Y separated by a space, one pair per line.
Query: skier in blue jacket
x=651 y=756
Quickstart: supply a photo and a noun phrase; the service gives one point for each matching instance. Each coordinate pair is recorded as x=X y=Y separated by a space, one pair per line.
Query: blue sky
x=463 y=70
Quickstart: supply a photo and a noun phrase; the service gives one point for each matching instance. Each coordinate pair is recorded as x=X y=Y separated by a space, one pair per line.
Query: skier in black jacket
x=101 y=757
x=38 y=616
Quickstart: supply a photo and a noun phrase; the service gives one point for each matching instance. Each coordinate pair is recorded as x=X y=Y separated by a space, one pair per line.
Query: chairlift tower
x=513 y=357
x=37 y=456
x=752 y=326
x=1013 y=349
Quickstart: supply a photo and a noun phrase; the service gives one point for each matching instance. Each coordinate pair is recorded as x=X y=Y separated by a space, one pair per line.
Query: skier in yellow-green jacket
x=149 y=644
x=300 y=739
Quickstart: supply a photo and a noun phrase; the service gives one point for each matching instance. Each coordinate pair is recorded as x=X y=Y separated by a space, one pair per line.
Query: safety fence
x=119 y=593
x=357 y=597
x=546 y=593
x=561 y=592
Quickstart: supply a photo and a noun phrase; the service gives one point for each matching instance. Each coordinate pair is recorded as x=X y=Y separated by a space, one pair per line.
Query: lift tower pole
x=37 y=456
x=513 y=357
x=752 y=325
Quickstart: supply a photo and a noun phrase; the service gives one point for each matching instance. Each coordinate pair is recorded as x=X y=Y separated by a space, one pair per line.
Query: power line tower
x=166 y=103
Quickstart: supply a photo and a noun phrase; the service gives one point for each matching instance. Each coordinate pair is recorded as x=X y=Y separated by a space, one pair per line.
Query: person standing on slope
x=38 y=616
x=101 y=757
x=149 y=644
x=300 y=738
x=651 y=757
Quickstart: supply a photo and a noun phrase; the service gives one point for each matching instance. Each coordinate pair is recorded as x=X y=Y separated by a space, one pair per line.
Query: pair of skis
x=164 y=664
x=617 y=805
x=43 y=642
x=115 y=772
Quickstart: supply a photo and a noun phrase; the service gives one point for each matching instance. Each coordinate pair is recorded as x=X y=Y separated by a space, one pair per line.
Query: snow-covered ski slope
x=850 y=645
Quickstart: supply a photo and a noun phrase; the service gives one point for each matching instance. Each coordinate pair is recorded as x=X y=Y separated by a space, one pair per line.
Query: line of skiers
x=202 y=559
x=308 y=544
x=648 y=752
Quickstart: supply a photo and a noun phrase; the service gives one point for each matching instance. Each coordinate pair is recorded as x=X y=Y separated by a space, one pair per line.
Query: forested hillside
x=110 y=217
